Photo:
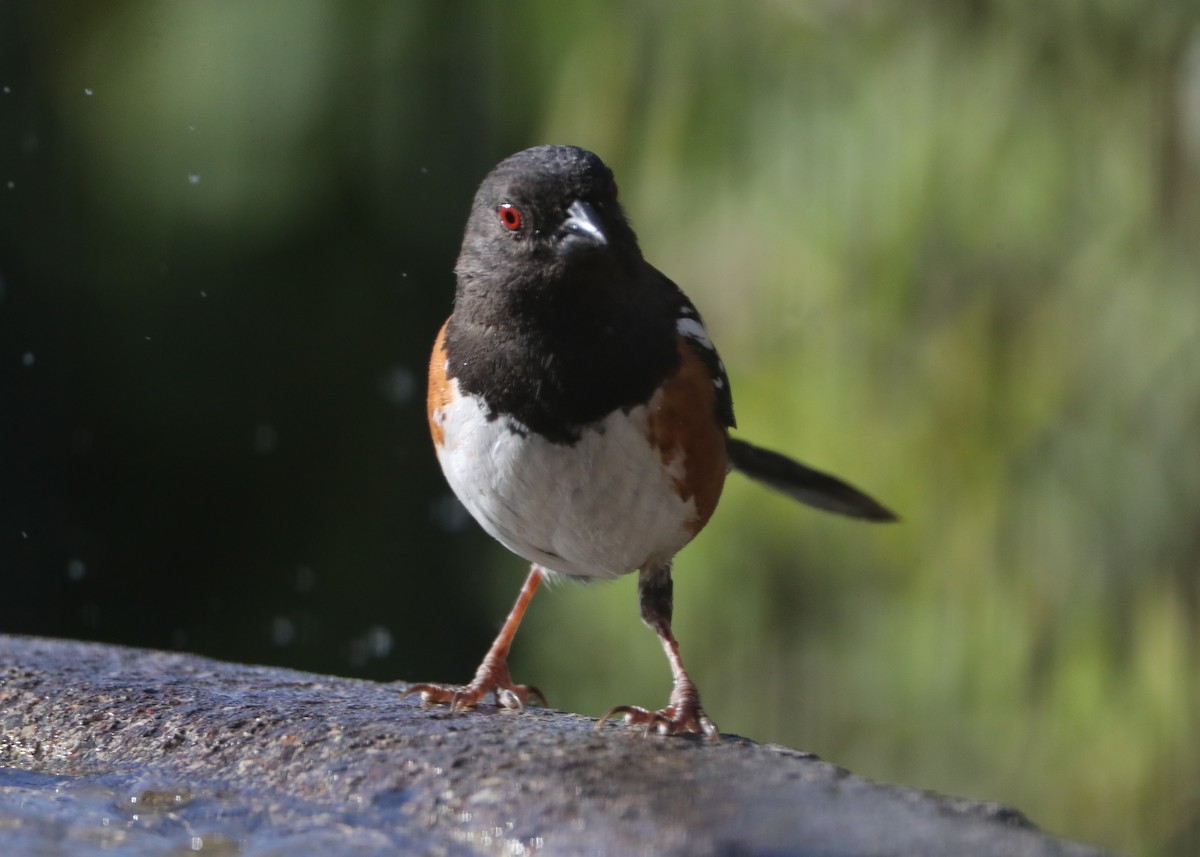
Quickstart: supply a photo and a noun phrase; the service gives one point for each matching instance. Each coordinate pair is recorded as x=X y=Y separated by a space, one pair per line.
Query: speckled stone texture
x=144 y=752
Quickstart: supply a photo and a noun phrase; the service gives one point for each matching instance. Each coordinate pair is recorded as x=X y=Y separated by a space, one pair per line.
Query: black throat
x=556 y=357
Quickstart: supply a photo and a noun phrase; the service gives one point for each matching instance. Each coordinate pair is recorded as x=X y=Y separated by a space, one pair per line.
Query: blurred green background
x=950 y=251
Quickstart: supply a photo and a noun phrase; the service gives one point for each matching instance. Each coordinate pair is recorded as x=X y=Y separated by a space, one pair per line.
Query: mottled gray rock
x=143 y=752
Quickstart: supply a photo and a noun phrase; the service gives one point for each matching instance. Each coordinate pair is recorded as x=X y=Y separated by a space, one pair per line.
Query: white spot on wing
x=690 y=328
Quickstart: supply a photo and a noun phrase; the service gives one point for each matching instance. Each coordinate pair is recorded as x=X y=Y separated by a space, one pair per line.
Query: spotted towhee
x=580 y=411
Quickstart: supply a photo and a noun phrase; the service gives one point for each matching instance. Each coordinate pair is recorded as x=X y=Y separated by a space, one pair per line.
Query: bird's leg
x=683 y=712
x=492 y=675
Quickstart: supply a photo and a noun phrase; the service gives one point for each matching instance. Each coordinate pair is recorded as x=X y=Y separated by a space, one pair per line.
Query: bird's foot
x=492 y=676
x=491 y=679
x=682 y=714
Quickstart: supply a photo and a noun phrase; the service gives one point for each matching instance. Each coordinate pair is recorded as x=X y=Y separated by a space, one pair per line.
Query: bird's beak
x=581 y=230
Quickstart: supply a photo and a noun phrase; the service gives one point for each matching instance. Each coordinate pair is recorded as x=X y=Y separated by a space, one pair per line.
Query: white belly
x=602 y=507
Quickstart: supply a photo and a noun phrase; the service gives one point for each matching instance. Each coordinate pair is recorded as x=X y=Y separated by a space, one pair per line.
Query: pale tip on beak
x=582 y=228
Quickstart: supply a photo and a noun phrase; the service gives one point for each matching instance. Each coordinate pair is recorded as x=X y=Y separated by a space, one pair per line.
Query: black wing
x=690 y=326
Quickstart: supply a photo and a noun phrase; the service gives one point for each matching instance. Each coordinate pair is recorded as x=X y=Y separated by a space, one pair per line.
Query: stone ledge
x=107 y=746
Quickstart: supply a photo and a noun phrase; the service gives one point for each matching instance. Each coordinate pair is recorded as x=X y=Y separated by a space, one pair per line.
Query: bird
x=582 y=415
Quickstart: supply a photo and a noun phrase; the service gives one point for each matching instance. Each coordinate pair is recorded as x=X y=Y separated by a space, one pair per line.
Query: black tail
x=805 y=484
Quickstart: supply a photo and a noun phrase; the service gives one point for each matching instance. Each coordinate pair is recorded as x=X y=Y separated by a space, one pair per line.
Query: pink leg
x=683 y=712
x=492 y=675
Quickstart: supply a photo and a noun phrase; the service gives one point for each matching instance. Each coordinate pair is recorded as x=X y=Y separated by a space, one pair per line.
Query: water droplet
x=76 y=570
x=193 y=178
x=306 y=578
x=379 y=641
x=375 y=643
x=283 y=631
x=266 y=439
x=27 y=359
x=11 y=184
x=449 y=514
x=399 y=386
x=87 y=90
x=203 y=293
x=7 y=90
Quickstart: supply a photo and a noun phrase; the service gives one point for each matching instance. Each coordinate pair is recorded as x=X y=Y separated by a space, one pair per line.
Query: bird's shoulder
x=690 y=328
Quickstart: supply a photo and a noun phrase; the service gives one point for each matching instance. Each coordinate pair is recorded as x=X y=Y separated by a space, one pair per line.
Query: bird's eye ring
x=510 y=216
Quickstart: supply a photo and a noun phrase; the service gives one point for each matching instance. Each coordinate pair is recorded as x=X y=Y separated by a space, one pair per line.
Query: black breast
x=556 y=366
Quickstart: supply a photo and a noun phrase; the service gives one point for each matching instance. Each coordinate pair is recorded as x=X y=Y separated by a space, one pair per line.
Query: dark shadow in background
x=234 y=460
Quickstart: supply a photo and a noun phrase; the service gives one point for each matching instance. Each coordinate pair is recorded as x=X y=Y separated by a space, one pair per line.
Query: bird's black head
x=557 y=319
x=545 y=213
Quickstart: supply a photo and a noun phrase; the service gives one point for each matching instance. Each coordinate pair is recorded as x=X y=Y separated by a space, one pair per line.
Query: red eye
x=510 y=217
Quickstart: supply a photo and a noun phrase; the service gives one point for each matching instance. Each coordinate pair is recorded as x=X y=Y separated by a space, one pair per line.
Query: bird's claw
x=508 y=695
x=675 y=719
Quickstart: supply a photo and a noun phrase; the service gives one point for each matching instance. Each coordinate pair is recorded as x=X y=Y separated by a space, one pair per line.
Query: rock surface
x=144 y=752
